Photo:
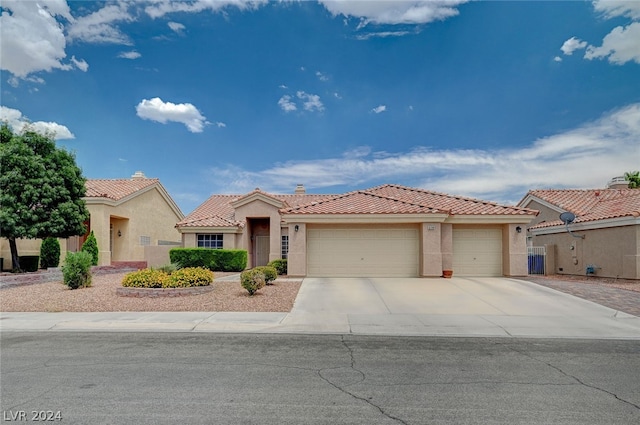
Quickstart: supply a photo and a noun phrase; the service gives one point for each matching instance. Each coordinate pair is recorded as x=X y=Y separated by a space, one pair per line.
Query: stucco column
x=297 y=261
x=430 y=250
x=275 y=239
x=514 y=250
x=446 y=246
x=100 y=225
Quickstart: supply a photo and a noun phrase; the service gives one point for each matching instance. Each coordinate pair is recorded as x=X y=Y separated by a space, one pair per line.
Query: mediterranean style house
x=387 y=230
x=604 y=238
x=132 y=219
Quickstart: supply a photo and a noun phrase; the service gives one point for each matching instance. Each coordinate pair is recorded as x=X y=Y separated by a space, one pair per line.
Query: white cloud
x=310 y=102
x=557 y=59
x=282 y=86
x=565 y=160
x=100 y=26
x=157 y=110
x=176 y=27
x=613 y=8
x=572 y=45
x=321 y=76
x=394 y=12
x=286 y=104
x=220 y=124
x=81 y=64
x=129 y=55
x=161 y=8
x=19 y=123
x=382 y=34
x=620 y=46
x=32 y=39
x=379 y=109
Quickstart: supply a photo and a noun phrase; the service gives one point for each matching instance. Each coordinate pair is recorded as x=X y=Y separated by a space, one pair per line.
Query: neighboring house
x=388 y=230
x=133 y=220
x=604 y=239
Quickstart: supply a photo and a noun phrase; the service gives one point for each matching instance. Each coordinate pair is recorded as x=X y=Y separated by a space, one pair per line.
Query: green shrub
x=49 y=253
x=230 y=260
x=189 y=277
x=76 y=271
x=280 y=265
x=182 y=278
x=168 y=268
x=226 y=260
x=146 y=278
x=91 y=246
x=270 y=274
x=29 y=263
x=252 y=280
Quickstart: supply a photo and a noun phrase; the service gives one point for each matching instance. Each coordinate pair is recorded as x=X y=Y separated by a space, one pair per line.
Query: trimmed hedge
x=224 y=260
x=280 y=265
x=49 y=253
x=91 y=246
x=270 y=273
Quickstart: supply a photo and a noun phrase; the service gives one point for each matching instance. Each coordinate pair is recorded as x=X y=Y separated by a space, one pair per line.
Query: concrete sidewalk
x=482 y=307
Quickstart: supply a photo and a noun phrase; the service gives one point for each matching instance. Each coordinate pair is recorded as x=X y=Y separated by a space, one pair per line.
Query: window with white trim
x=285 y=247
x=210 y=241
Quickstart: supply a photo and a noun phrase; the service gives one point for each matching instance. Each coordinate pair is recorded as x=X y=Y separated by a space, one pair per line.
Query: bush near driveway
x=280 y=265
x=252 y=280
x=270 y=273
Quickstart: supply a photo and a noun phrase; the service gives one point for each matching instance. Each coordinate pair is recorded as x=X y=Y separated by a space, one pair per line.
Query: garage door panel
x=363 y=252
x=477 y=252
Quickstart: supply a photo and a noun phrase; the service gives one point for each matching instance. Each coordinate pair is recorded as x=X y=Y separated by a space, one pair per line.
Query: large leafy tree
x=41 y=189
x=633 y=178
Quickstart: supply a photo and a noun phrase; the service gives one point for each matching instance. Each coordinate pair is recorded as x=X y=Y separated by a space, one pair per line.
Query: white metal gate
x=537 y=256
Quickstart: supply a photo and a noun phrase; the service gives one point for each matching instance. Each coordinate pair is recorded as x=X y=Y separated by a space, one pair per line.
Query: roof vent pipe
x=138 y=175
x=300 y=189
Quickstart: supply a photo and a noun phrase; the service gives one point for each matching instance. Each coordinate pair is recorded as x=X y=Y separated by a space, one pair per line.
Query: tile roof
x=387 y=199
x=218 y=209
x=454 y=205
x=591 y=204
x=362 y=202
x=116 y=189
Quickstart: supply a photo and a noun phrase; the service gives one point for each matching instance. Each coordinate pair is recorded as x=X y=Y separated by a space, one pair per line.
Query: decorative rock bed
x=162 y=292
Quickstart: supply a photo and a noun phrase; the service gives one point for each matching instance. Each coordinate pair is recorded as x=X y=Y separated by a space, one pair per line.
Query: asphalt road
x=176 y=378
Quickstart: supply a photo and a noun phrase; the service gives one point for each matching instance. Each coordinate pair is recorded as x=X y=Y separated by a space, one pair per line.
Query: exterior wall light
x=519 y=229
x=296 y=228
x=119 y=233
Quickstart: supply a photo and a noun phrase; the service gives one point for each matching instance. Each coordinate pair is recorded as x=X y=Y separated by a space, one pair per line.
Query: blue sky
x=482 y=99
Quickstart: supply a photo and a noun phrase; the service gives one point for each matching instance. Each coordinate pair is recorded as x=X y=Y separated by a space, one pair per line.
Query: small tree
x=41 y=189
x=91 y=246
x=49 y=253
x=633 y=178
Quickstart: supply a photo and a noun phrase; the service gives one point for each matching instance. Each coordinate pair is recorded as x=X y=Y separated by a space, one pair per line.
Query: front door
x=262 y=250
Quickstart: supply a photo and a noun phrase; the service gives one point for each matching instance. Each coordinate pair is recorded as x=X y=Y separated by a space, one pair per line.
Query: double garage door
x=362 y=252
x=395 y=251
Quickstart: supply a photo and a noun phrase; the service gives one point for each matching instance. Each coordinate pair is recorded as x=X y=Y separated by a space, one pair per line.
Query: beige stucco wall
x=614 y=251
x=147 y=214
x=260 y=209
x=431 y=249
x=514 y=250
x=26 y=247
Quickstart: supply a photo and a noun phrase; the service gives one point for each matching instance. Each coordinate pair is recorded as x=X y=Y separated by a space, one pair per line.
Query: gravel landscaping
x=227 y=295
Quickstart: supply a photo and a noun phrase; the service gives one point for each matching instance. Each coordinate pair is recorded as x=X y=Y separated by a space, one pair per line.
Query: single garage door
x=477 y=252
x=362 y=252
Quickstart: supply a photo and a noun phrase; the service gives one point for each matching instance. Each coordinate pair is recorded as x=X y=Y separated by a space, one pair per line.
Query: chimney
x=138 y=175
x=300 y=189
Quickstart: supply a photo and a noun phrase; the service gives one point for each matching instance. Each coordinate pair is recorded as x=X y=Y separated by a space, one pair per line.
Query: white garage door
x=362 y=252
x=477 y=252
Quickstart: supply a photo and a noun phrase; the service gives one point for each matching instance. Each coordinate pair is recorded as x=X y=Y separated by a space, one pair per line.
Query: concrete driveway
x=457 y=306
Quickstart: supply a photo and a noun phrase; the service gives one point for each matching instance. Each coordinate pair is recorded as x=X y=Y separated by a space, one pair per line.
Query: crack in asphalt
x=576 y=379
x=355 y=396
